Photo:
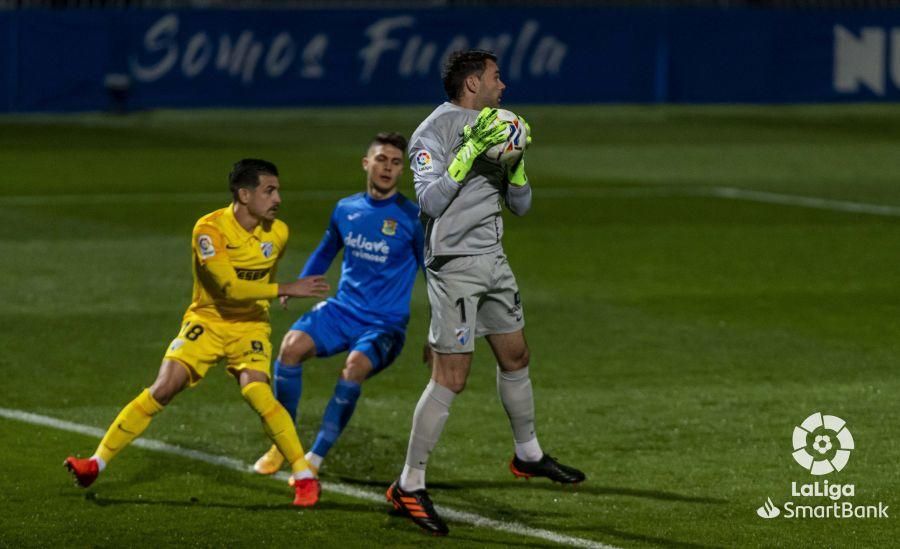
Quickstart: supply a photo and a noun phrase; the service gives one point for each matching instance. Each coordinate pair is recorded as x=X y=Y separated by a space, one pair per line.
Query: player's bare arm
x=308 y=286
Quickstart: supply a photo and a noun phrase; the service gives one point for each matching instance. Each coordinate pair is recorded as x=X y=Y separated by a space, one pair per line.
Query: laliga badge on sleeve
x=423 y=162
x=205 y=245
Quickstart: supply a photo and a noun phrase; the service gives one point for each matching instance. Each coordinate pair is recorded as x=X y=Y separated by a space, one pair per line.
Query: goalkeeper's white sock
x=412 y=479
x=517 y=397
x=428 y=423
x=529 y=451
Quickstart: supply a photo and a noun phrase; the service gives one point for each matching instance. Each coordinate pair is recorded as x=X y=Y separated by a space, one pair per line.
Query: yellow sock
x=128 y=425
x=277 y=423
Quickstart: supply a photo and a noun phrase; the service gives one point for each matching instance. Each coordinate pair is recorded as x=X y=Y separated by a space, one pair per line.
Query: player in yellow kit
x=235 y=252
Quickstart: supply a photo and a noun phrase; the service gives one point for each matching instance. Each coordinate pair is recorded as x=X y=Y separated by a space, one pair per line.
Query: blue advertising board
x=69 y=59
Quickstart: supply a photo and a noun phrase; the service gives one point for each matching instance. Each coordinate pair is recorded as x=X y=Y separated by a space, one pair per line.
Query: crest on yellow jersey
x=266 y=248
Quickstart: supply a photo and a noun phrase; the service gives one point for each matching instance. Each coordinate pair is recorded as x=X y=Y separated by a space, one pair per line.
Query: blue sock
x=288 y=386
x=337 y=415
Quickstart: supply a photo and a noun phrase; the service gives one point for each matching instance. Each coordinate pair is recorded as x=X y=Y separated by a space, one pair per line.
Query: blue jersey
x=383 y=243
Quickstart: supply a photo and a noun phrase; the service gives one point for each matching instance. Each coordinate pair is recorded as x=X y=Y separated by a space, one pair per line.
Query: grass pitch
x=677 y=338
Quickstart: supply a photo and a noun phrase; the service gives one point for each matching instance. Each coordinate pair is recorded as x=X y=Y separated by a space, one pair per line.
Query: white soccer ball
x=510 y=151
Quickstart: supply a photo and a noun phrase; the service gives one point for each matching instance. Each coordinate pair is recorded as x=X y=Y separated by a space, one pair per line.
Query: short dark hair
x=245 y=174
x=461 y=65
x=389 y=138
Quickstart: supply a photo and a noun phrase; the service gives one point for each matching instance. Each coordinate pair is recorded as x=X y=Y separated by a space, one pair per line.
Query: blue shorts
x=335 y=328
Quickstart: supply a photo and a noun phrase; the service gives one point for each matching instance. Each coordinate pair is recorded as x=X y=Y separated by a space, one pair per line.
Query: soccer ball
x=510 y=151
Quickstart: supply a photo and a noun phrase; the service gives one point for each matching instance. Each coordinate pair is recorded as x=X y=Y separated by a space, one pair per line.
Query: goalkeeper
x=471 y=288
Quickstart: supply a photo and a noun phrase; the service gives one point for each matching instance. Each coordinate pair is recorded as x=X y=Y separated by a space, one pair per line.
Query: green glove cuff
x=517 y=174
x=462 y=163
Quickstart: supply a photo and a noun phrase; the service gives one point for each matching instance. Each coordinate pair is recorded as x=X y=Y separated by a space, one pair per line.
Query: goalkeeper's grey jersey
x=459 y=219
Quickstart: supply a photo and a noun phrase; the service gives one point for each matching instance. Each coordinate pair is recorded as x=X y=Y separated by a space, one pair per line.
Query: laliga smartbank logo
x=831 y=444
x=822 y=445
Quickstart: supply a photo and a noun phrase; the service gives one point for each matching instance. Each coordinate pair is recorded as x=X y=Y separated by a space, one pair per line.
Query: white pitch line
x=670 y=191
x=183 y=197
x=734 y=193
x=141 y=198
x=728 y=193
x=337 y=488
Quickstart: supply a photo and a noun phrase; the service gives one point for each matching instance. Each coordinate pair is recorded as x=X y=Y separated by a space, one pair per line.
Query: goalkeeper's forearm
x=436 y=193
x=518 y=198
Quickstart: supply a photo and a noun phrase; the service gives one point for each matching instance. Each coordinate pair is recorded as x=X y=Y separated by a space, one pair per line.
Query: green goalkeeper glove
x=517 y=174
x=476 y=140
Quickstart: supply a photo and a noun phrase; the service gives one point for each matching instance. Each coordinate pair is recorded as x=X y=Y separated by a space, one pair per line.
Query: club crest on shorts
x=462 y=335
x=516 y=310
x=389 y=227
x=266 y=248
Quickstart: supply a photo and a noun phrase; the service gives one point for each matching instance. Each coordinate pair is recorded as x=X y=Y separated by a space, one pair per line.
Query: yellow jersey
x=234 y=270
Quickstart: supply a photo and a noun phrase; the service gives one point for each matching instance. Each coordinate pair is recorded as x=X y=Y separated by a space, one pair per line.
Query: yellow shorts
x=203 y=342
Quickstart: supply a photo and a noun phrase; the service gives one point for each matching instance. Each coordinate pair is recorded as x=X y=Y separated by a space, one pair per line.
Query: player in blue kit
x=383 y=243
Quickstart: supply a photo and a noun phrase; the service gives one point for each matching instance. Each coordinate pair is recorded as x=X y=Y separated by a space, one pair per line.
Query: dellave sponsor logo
x=364 y=248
